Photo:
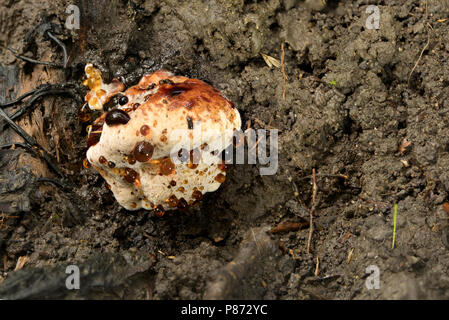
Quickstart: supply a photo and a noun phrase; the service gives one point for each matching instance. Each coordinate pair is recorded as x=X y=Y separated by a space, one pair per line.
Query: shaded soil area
x=366 y=108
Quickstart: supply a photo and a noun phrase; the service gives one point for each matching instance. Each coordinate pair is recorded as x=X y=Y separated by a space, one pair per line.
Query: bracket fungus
x=159 y=148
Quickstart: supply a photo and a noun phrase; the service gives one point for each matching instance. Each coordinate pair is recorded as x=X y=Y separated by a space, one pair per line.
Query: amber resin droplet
x=166 y=167
x=143 y=151
x=130 y=175
x=159 y=211
x=220 y=178
x=116 y=117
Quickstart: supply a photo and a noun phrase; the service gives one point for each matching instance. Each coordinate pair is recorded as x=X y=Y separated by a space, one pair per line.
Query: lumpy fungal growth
x=153 y=145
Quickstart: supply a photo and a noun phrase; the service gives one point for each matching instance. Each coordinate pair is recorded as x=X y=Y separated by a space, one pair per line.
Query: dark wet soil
x=371 y=105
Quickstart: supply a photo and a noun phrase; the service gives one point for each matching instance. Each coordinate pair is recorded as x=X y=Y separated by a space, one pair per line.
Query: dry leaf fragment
x=270 y=61
x=21 y=262
x=404 y=145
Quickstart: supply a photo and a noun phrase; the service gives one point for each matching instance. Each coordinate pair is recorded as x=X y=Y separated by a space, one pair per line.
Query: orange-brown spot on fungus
x=133 y=205
x=181 y=189
x=163 y=138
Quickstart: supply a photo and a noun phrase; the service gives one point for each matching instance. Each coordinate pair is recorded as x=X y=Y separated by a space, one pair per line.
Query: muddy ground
x=369 y=104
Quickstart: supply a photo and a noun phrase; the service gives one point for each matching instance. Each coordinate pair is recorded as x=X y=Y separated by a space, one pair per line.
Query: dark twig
x=25 y=58
x=13 y=102
x=32 y=143
x=53 y=181
x=16 y=144
x=59 y=42
x=47 y=91
x=321 y=175
x=43 y=90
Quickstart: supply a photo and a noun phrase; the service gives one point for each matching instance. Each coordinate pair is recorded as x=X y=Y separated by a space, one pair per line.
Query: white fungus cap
x=137 y=146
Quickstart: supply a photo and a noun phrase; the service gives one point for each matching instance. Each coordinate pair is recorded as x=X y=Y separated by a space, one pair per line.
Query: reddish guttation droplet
x=86 y=163
x=182 y=204
x=144 y=130
x=220 y=178
x=111 y=164
x=93 y=139
x=116 y=117
x=130 y=175
x=166 y=167
x=197 y=195
x=143 y=151
x=173 y=201
x=130 y=159
x=102 y=160
x=85 y=114
x=223 y=166
x=159 y=211
x=194 y=159
x=173 y=183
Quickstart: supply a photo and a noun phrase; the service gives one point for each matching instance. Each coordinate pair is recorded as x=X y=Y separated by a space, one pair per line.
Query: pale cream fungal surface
x=160 y=146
